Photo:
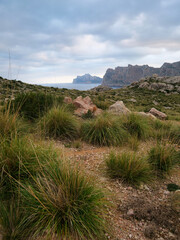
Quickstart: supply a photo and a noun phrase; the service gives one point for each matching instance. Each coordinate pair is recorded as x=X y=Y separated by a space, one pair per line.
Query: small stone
x=130 y=212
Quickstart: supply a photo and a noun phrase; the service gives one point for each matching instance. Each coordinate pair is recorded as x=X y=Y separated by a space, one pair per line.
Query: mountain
x=122 y=76
x=87 y=79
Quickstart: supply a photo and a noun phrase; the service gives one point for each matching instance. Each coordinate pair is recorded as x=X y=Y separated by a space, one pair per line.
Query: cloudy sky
x=50 y=41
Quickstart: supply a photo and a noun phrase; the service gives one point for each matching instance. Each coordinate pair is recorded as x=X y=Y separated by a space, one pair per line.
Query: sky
x=51 y=41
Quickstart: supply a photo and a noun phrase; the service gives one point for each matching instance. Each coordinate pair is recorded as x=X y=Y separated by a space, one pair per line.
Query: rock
x=119 y=108
x=158 y=114
x=68 y=100
x=155 y=103
x=150 y=231
x=146 y=115
x=121 y=76
x=132 y=100
x=87 y=79
x=130 y=212
x=175 y=201
x=83 y=105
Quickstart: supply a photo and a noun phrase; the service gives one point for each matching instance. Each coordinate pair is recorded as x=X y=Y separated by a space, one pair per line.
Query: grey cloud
x=66 y=37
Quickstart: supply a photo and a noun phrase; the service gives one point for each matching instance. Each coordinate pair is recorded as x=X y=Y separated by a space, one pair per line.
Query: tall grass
x=10 y=124
x=128 y=167
x=62 y=201
x=104 y=130
x=13 y=221
x=59 y=123
x=137 y=125
x=18 y=157
x=174 y=134
x=32 y=105
x=163 y=158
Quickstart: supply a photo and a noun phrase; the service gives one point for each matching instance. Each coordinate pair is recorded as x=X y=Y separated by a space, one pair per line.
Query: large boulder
x=158 y=114
x=83 y=105
x=119 y=108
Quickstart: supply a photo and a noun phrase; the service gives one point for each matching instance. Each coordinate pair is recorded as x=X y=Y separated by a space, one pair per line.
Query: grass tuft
x=104 y=131
x=59 y=123
x=128 y=167
x=62 y=201
x=163 y=158
x=18 y=159
x=137 y=126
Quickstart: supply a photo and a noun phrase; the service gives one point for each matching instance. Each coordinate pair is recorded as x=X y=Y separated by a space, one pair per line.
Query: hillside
x=87 y=79
x=160 y=84
x=72 y=170
x=136 y=98
x=123 y=76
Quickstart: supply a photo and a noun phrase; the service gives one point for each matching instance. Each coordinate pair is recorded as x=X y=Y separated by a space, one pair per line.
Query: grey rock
x=158 y=114
x=119 y=108
x=121 y=76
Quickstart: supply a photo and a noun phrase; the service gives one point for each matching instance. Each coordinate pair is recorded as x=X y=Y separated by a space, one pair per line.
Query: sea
x=81 y=87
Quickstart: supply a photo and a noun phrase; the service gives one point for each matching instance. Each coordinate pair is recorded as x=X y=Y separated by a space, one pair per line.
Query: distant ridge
x=122 y=76
x=87 y=79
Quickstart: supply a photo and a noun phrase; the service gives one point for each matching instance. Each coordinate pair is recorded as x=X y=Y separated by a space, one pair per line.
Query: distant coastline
x=77 y=86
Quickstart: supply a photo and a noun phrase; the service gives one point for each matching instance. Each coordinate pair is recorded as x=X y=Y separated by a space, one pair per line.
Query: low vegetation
x=32 y=105
x=18 y=158
x=128 y=167
x=163 y=158
x=137 y=126
x=45 y=196
x=59 y=123
x=62 y=201
x=104 y=131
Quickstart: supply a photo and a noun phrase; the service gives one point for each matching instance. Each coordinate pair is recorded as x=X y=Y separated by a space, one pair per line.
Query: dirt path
x=121 y=196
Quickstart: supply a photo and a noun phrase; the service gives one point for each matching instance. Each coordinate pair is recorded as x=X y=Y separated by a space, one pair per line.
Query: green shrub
x=138 y=126
x=103 y=130
x=128 y=167
x=59 y=123
x=88 y=115
x=102 y=104
x=32 y=105
x=62 y=201
x=162 y=158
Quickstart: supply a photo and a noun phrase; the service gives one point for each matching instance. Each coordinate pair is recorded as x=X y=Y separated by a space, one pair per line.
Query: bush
x=162 y=158
x=32 y=105
x=102 y=104
x=64 y=203
x=137 y=125
x=129 y=168
x=59 y=123
x=104 y=130
x=88 y=115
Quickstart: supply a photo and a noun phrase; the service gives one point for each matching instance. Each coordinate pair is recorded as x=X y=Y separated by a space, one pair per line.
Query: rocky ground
x=134 y=213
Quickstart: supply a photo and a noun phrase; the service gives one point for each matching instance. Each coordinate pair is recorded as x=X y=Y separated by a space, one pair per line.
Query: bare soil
x=134 y=213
